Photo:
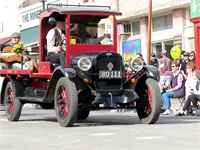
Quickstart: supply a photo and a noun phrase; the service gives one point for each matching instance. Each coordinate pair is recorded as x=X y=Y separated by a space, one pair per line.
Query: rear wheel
x=149 y=105
x=66 y=102
x=13 y=106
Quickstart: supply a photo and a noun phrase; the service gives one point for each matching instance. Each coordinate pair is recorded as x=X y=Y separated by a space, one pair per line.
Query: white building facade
x=170 y=23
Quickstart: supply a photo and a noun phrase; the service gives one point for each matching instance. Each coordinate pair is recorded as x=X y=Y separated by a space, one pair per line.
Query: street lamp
x=43 y=3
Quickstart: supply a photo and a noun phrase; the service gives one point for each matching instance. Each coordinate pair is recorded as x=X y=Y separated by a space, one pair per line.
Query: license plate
x=110 y=74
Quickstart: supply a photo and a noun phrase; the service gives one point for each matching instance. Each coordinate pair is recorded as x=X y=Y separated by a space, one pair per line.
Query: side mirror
x=52 y=21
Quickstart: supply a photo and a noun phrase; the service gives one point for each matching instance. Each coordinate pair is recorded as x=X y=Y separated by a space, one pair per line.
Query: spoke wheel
x=149 y=105
x=13 y=106
x=66 y=102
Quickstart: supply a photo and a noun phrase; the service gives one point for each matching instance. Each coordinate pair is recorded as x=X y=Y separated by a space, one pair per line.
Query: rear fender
x=17 y=86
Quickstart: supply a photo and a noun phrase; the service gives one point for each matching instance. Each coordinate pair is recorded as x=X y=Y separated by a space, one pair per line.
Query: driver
x=56 y=52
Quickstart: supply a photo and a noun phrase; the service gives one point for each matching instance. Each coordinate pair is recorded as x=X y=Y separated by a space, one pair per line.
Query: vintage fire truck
x=93 y=79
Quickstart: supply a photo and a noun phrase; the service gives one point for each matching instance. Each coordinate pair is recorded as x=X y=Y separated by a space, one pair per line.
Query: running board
x=31 y=99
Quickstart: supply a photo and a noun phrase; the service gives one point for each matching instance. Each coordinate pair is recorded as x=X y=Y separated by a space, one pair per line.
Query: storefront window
x=158 y=47
x=191 y=44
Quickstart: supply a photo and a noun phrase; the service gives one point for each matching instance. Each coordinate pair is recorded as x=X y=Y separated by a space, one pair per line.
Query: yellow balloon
x=175 y=52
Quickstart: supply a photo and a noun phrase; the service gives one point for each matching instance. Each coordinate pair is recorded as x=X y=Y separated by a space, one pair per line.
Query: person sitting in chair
x=56 y=52
x=177 y=84
x=193 y=98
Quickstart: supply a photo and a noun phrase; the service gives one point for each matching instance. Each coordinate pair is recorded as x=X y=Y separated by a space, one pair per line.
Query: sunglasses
x=186 y=55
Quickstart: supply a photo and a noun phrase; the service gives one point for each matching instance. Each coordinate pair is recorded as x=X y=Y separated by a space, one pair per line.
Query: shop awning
x=29 y=36
x=5 y=40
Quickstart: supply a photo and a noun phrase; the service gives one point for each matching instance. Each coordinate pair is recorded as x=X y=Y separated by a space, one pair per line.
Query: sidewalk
x=175 y=104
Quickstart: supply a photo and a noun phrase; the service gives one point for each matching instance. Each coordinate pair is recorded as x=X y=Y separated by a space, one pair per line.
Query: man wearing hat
x=26 y=60
x=90 y=36
x=56 y=52
x=154 y=60
x=15 y=40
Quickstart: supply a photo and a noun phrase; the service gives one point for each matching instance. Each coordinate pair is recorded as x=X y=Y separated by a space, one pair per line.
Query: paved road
x=103 y=130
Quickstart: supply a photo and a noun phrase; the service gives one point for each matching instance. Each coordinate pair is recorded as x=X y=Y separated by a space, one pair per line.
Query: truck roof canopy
x=82 y=9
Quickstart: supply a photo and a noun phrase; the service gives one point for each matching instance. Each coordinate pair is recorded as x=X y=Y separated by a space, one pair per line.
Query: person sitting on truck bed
x=27 y=62
x=56 y=52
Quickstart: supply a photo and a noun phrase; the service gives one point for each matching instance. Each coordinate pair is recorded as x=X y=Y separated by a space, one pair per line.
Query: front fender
x=146 y=72
x=153 y=71
x=57 y=74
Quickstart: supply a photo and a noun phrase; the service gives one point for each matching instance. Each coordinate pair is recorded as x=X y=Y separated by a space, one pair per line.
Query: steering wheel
x=72 y=36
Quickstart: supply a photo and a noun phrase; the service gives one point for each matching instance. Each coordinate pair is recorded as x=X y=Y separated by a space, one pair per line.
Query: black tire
x=46 y=106
x=83 y=114
x=13 y=106
x=149 y=105
x=66 y=102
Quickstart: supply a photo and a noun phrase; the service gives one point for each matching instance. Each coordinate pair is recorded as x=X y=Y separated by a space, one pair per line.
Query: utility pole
x=149 y=32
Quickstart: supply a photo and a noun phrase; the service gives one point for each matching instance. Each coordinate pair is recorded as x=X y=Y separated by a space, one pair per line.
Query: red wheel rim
x=63 y=102
x=10 y=101
x=149 y=101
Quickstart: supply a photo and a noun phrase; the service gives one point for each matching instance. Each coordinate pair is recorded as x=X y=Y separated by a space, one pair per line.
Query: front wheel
x=13 y=106
x=83 y=114
x=149 y=105
x=66 y=102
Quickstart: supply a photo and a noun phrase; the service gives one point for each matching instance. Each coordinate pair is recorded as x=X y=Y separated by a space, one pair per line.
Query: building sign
x=30 y=16
x=194 y=8
x=178 y=40
x=130 y=49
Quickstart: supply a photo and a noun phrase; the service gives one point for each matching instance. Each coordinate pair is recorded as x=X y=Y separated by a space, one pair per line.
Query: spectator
x=192 y=57
x=127 y=66
x=165 y=70
x=190 y=79
x=154 y=60
x=186 y=57
x=164 y=64
x=193 y=98
x=140 y=56
x=177 y=90
x=182 y=62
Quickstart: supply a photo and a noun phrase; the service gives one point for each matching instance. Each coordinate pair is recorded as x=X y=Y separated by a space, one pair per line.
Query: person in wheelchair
x=56 y=50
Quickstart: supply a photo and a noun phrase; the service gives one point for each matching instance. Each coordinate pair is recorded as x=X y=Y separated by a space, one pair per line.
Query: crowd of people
x=178 y=79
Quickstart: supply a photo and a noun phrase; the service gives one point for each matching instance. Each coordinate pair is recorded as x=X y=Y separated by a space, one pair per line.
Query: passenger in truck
x=90 y=35
x=15 y=62
x=55 y=49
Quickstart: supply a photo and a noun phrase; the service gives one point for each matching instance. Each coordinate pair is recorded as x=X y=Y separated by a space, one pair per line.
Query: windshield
x=91 y=29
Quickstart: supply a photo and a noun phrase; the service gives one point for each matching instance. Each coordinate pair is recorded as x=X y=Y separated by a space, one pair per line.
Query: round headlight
x=136 y=64
x=84 y=64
